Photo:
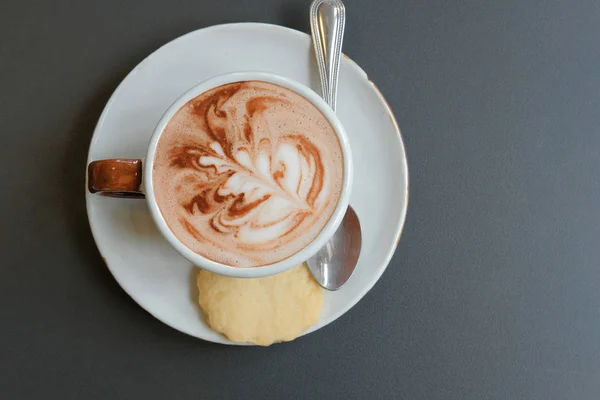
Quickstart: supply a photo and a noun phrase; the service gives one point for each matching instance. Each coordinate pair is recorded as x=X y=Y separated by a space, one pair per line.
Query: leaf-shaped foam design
x=247 y=169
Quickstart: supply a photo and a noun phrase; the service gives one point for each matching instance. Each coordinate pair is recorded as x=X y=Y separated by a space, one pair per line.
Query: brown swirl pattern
x=248 y=173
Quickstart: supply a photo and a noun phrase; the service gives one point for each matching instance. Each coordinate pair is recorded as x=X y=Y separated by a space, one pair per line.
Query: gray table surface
x=493 y=293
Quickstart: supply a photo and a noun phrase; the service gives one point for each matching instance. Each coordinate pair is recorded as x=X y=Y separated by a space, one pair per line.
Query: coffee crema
x=248 y=173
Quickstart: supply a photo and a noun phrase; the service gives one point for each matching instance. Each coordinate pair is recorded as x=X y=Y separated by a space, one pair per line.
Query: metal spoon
x=333 y=265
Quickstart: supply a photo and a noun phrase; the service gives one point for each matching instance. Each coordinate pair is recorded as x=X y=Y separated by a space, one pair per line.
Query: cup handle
x=119 y=177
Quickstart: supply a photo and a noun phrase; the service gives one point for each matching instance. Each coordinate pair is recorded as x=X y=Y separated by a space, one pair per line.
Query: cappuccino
x=247 y=174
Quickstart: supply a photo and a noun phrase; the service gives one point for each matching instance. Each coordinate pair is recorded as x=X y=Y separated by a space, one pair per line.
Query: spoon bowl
x=333 y=265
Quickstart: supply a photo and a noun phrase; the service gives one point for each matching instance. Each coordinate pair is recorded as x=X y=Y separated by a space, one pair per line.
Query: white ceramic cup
x=132 y=178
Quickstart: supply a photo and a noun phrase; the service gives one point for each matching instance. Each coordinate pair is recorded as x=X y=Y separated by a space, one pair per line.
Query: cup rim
x=305 y=253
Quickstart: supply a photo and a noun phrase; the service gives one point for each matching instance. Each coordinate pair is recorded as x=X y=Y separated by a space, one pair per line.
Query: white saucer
x=142 y=262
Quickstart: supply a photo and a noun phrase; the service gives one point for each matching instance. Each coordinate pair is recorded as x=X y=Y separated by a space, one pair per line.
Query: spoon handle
x=327 y=20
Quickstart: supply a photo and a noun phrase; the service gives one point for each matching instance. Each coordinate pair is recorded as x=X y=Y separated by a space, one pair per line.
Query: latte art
x=248 y=174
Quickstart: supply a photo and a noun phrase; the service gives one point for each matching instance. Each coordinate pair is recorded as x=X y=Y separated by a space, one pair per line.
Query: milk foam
x=248 y=174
